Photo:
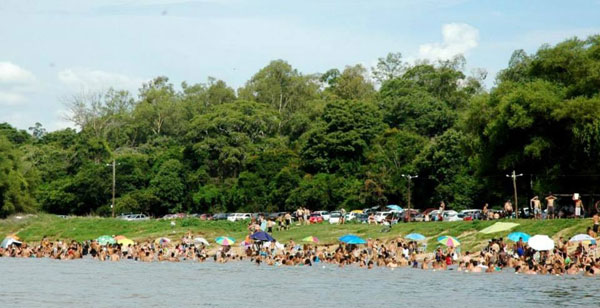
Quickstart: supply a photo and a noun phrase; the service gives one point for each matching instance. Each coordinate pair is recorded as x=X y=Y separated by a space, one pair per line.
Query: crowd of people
x=498 y=255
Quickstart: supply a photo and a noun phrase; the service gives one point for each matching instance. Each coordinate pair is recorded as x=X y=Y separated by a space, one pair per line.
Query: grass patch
x=33 y=228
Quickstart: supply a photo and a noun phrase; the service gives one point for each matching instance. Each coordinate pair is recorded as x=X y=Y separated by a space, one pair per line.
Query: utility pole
x=409 y=178
x=114 y=184
x=514 y=176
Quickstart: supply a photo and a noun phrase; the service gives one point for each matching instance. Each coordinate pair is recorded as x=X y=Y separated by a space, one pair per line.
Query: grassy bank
x=33 y=228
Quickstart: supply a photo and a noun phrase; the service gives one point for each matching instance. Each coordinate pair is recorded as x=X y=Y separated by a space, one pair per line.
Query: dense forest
x=324 y=141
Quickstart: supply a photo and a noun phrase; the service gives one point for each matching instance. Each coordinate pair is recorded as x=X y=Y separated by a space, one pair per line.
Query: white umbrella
x=541 y=242
x=201 y=240
x=581 y=238
x=9 y=241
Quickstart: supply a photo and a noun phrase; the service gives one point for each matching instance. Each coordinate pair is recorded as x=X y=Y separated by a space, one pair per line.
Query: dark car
x=362 y=218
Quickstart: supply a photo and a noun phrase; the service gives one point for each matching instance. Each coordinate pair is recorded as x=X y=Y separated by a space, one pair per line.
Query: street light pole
x=114 y=184
x=514 y=179
x=409 y=178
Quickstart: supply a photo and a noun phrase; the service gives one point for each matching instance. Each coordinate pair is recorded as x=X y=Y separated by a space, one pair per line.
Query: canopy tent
x=499 y=227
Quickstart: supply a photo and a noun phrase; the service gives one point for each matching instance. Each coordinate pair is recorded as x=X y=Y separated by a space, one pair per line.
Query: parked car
x=362 y=218
x=136 y=217
x=470 y=214
x=351 y=216
x=380 y=216
x=239 y=216
x=325 y=214
x=335 y=217
x=220 y=216
x=451 y=215
x=315 y=218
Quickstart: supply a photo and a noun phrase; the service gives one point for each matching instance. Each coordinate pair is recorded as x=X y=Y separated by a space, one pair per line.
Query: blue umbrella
x=515 y=236
x=352 y=239
x=394 y=207
x=415 y=237
x=262 y=236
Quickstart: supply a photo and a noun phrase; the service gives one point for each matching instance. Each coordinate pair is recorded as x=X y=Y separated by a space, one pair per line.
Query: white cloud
x=15 y=81
x=89 y=79
x=12 y=73
x=458 y=38
x=9 y=98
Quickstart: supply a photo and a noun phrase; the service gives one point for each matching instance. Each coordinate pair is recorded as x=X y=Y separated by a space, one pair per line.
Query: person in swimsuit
x=537 y=207
x=550 y=205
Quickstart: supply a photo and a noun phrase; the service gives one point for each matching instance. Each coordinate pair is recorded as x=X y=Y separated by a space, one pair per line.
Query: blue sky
x=50 y=50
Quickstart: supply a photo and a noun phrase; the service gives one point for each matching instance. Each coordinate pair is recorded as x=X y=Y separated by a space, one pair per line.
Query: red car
x=315 y=218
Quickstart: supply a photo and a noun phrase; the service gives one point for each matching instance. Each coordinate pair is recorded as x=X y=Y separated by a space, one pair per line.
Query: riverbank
x=31 y=228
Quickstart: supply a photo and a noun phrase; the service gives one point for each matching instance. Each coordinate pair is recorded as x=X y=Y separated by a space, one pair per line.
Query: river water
x=88 y=283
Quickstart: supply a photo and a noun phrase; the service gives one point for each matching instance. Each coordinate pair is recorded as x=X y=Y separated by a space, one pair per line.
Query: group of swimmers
x=499 y=255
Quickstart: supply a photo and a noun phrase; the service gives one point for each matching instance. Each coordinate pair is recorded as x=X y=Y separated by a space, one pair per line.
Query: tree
x=349 y=127
x=280 y=86
x=352 y=84
x=15 y=187
x=389 y=67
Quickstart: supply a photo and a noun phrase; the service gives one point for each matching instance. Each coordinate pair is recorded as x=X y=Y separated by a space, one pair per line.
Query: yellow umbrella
x=119 y=237
x=125 y=241
x=357 y=211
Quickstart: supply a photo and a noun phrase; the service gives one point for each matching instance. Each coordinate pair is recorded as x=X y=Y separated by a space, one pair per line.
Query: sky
x=53 y=50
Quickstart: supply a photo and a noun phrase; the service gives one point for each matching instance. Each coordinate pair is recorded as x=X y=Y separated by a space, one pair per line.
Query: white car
x=350 y=216
x=380 y=216
x=239 y=216
x=136 y=217
x=325 y=214
x=335 y=218
x=451 y=215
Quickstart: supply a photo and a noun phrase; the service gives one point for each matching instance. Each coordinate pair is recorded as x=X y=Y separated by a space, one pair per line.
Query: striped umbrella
x=311 y=239
x=224 y=241
x=162 y=241
x=448 y=241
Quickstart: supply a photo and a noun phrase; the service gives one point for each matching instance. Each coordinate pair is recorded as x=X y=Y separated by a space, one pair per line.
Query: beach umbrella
x=125 y=242
x=311 y=239
x=448 y=241
x=105 y=239
x=262 y=236
x=499 y=227
x=201 y=240
x=224 y=241
x=356 y=211
x=352 y=239
x=9 y=241
x=162 y=241
x=541 y=242
x=582 y=238
x=415 y=237
x=515 y=236
x=119 y=237
x=394 y=207
x=14 y=237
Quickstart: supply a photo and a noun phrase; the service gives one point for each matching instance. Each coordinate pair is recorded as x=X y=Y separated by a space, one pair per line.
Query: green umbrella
x=105 y=239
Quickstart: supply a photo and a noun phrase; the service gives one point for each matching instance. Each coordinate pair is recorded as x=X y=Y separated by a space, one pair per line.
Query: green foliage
x=323 y=141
